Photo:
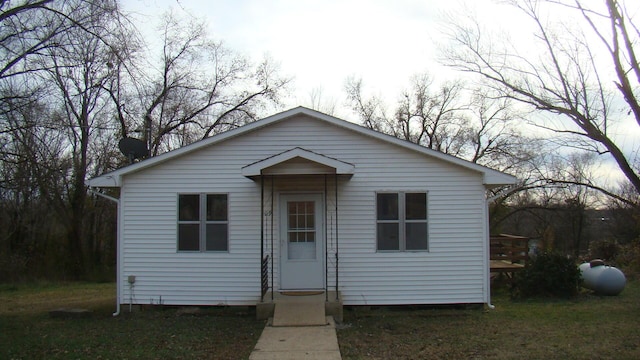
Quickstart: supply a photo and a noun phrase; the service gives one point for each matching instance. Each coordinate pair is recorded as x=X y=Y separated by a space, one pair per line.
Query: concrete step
x=299 y=314
x=332 y=306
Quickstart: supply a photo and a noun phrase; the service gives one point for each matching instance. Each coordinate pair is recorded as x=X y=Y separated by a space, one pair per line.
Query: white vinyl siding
x=452 y=271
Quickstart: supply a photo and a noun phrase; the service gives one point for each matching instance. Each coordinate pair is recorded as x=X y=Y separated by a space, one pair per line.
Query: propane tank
x=601 y=278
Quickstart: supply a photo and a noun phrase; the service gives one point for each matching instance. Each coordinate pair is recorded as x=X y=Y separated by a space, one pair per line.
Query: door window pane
x=301 y=230
x=310 y=236
x=310 y=221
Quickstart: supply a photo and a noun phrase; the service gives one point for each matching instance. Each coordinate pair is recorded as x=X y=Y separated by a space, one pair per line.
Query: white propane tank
x=603 y=279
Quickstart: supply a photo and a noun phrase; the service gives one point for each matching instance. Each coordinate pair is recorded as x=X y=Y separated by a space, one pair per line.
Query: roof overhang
x=105 y=181
x=493 y=178
x=298 y=161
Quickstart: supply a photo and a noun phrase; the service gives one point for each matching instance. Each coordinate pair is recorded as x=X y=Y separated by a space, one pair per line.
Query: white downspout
x=118 y=247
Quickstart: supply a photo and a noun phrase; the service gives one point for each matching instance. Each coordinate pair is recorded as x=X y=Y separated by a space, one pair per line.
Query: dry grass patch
x=590 y=327
x=161 y=333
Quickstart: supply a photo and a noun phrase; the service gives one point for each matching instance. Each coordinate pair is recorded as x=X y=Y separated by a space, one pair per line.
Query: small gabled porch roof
x=298 y=161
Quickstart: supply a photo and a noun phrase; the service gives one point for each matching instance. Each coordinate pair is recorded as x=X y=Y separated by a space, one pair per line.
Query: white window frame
x=402 y=221
x=202 y=222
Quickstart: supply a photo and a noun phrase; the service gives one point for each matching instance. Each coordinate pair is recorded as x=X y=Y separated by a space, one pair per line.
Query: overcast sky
x=322 y=43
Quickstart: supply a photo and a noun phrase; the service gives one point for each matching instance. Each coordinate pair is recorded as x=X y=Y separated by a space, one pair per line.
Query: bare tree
x=71 y=84
x=495 y=137
x=556 y=209
x=568 y=80
x=372 y=111
x=318 y=102
x=470 y=124
x=57 y=63
x=20 y=39
x=200 y=87
x=81 y=69
x=422 y=116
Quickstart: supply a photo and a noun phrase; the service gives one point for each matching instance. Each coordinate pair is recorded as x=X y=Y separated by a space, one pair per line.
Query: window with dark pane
x=217 y=225
x=203 y=222
x=401 y=221
x=416 y=221
x=416 y=236
x=388 y=236
x=189 y=207
x=217 y=237
x=387 y=205
x=217 y=207
x=416 y=206
x=189 y=237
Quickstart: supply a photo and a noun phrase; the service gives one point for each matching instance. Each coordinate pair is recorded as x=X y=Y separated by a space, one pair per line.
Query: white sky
x=322 y=43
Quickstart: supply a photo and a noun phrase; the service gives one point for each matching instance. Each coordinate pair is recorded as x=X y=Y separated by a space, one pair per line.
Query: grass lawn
x=590 y=327
x=27 y=331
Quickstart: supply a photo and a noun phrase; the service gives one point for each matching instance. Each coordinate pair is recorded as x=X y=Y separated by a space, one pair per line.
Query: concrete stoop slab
x=332 y=303
x=299 y=314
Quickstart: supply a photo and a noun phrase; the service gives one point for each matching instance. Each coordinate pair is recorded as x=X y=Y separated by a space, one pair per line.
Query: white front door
x=301 y=242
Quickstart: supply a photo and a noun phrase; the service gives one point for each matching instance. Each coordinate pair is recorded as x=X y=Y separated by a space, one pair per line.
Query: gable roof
x=114 y=179
x=339 y=167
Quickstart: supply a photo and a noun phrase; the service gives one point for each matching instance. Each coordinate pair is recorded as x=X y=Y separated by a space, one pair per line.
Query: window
x=203 y=223
x=401 y=221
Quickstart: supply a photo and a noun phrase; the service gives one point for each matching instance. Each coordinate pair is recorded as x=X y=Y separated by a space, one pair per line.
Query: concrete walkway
x=298 y=342
x=299 y=329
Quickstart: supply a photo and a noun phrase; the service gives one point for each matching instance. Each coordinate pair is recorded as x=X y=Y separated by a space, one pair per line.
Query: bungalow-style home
x=302 y=201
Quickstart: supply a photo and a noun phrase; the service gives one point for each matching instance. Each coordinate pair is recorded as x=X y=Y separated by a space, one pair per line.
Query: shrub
x=547 y=275
x=603 y=249
x=629 y=258
x=12 y=267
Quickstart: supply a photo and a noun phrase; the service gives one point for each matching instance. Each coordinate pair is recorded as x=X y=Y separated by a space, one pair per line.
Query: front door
x=301 y=241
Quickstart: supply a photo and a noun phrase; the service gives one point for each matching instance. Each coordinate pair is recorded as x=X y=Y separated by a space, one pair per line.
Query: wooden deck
x=504 y=266
x=508 y=253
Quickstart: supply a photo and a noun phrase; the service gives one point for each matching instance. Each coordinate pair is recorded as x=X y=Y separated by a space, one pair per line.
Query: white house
x=302 y=201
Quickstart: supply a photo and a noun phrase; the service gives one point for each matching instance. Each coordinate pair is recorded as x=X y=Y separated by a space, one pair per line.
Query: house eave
x=108 y=180
x=492 y=179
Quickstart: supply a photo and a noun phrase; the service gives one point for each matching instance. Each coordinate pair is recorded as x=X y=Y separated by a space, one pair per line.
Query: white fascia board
x=107 y=181
x=494 y=178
